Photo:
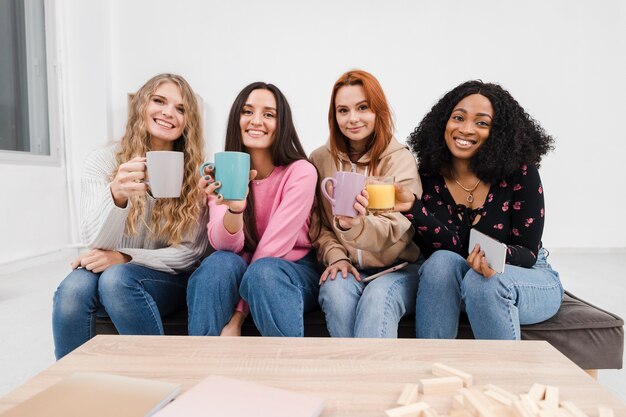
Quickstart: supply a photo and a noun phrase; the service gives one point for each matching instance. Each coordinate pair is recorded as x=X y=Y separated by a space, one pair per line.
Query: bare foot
x=233 y=327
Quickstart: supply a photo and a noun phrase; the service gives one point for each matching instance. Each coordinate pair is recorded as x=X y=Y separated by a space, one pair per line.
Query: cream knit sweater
x=102 y=223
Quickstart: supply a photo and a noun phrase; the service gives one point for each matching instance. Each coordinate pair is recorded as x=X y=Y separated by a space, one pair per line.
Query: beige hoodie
x=379 y=240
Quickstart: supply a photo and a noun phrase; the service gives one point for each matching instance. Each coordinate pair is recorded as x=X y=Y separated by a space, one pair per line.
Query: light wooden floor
x=26 y=346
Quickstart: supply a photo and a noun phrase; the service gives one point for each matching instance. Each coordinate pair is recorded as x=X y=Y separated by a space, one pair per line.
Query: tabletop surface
x=356 y=377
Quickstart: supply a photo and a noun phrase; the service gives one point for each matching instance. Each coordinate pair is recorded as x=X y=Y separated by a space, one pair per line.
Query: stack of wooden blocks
x=488 y=401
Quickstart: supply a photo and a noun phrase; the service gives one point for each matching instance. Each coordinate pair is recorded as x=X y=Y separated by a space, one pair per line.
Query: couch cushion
x=589 y=336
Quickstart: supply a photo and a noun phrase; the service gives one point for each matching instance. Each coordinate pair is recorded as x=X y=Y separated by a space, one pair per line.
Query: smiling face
x=165 y=116
x=355 y=118
x=258 y=120
x=468 y=126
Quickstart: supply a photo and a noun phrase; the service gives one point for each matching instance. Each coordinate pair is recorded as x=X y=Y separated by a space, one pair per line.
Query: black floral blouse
x=513 y=213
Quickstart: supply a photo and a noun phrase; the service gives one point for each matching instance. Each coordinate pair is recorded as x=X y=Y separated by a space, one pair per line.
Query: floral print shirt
x=513 y=213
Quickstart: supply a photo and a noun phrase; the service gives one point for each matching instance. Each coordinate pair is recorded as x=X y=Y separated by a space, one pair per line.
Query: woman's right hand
x=128 y=181
x=404 y=198
x=342 y=266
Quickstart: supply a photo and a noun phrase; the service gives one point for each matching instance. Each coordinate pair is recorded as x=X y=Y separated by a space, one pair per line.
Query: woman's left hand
x=97 y=260
x=478 y=262
x=360 y=206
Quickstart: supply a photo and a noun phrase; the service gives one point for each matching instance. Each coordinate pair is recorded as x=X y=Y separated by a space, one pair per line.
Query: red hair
x=383 y=129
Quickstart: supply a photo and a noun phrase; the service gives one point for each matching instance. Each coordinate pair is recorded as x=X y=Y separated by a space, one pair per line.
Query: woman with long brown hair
x=142 y=248
x=353 y=248
x=264 y=253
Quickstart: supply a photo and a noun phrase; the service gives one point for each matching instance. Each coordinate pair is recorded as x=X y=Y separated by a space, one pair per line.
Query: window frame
x=55 y=104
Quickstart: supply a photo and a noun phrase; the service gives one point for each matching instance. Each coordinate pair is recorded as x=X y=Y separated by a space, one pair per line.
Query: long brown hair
x=383 y=129
x=172 y=218
x=285 y=149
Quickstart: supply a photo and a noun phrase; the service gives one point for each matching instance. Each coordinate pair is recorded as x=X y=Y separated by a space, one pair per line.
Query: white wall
x=563 y=60
x=33 y=210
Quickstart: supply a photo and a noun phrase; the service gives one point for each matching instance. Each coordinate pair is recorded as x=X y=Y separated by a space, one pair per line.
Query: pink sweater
x=282 y=209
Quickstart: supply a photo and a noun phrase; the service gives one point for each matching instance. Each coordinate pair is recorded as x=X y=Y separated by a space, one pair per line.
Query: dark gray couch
x=589 y=336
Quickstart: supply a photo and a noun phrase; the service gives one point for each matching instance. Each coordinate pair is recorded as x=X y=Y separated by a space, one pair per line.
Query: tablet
x=495 y=252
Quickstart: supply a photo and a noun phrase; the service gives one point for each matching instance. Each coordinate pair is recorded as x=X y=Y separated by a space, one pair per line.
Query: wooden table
x=356 y=377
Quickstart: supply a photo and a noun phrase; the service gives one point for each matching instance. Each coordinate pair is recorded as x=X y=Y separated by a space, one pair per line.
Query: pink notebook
x=218 y=396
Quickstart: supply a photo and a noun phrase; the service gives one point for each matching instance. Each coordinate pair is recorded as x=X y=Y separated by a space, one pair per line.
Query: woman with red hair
x=353 y=248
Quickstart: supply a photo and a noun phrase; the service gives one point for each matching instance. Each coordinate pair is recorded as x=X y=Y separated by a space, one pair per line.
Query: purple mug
x=346 y=187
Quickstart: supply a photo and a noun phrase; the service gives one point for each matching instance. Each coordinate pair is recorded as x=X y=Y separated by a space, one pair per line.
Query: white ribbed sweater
x=102 y=223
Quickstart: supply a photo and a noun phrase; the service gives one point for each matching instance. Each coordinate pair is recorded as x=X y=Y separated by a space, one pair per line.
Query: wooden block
x=551 y=398
x=562 y=412
x=409 y=395
x=457 y=402
x=529 y=403
x=605 y=412
x=474 y=403
x=480 y=396
x=439 y=369
x=537 y=392
x=411 y=410
x=572 y=409
x=502 y=399
x=461 y=413
x=521 y=410
x=503 y=411
x=441 y=385
x=430 y=412
x=502 y=391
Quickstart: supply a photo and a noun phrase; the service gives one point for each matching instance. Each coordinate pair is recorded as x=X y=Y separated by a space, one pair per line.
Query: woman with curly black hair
x=478 y=153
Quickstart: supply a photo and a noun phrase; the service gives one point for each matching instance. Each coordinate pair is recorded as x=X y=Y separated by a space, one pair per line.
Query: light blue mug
x=232 y=170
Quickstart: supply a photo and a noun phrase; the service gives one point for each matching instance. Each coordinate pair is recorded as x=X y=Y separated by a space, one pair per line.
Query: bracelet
x=236 y=212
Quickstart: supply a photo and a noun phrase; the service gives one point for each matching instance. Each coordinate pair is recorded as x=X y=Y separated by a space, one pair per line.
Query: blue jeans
x=374 y=309
x=278 y=291
x=133 y=296
x=495 y=306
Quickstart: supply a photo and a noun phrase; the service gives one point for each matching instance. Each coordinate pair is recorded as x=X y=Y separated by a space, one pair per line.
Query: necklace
x=470 y=191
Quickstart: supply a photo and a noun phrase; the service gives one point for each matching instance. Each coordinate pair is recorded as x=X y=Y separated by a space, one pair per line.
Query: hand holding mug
x=210 y=186
x=360 y=206
x=207 y=179
x=128 y=181
x=341 y=190
x=404 y=198
x=234 y=205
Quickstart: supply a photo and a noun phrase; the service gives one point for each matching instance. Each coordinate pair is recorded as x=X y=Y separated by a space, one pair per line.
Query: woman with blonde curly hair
x=142 y=248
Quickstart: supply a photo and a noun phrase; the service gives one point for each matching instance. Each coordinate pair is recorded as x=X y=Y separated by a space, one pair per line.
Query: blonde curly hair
x=172 y=218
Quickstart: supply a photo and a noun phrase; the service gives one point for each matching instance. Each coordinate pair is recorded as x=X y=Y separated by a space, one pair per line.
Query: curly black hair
x=515 y=138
